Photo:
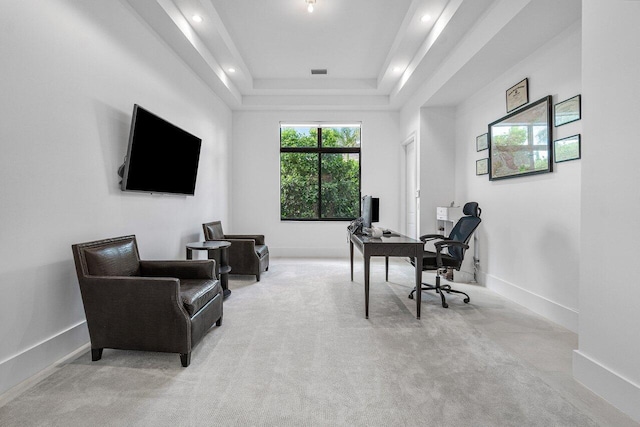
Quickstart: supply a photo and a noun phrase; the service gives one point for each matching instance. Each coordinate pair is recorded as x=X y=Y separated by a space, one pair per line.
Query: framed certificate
x=518 y=95
x=482 y=142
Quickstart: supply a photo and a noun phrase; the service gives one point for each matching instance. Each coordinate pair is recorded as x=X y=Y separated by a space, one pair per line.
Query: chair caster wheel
x=445 y=305
x=466 y=300
x=410 y=296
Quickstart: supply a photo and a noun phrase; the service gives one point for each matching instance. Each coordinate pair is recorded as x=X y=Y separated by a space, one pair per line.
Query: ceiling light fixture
x=197 y=18
x=231 y=70
x=425 y=18
x=310 y=4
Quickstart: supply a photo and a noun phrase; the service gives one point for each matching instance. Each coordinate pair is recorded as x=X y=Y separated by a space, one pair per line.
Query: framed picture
x=520 y=142
x=482 y=167
x=566 y=149
x=566 y=111
x=517 y=95
x=482 y=142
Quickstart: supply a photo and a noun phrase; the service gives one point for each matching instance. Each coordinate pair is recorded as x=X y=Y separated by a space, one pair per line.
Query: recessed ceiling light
x=425 y=18
x=197 y=18
x=231 y=70
x=310 y=4
x=397 y=69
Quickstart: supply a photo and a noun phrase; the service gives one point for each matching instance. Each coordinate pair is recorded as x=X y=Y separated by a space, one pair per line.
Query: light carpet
x=295 y=350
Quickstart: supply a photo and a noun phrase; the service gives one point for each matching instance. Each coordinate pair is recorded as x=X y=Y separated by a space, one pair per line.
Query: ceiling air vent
x=318 y=71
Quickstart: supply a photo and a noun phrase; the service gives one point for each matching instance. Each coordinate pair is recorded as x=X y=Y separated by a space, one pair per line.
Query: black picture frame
x=517 y=95
x=520 y=142
x=567 y=111
x=567 y=149
x=482 y=142
x=482 y=166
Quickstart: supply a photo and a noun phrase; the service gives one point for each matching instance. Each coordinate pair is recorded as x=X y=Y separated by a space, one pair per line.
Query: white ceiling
x=377 y=52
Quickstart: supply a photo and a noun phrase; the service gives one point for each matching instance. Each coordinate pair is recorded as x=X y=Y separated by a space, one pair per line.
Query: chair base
x=441 y=289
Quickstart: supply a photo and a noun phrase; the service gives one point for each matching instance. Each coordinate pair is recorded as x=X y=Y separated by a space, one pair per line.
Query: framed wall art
x=517 y=95
x=482 y=167
x=482 y=142
x=566 y=149
x=520 y=142
x=567 y=111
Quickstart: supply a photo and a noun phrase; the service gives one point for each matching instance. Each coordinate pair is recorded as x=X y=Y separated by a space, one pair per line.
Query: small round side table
x=217 y=250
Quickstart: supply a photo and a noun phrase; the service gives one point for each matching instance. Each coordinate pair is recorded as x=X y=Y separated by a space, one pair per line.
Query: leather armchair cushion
x=262 y=250
x=215 y=231
x=195 y=294
x=118 y=259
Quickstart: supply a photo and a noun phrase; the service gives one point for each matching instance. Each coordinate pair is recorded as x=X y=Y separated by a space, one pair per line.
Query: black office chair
x=456 y=245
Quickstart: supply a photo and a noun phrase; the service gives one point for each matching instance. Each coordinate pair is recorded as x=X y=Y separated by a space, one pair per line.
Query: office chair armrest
x=446 y=244
x=428 y=237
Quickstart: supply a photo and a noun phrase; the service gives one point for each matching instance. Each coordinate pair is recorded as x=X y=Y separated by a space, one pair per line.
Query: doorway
x=411 y=194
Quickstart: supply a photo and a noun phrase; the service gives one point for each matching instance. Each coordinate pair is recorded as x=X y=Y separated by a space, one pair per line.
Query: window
x=319 y=171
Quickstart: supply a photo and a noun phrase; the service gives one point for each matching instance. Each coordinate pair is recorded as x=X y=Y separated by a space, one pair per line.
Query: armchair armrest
x=193 y=269
x=121 y=311
x=259 y=238
x=240 y=247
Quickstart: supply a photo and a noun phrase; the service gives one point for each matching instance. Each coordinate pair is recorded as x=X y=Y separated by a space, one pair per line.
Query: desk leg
x=366 y=286
x=419 y=280
x=189 y=254
x=351 y=255
x=386 y=268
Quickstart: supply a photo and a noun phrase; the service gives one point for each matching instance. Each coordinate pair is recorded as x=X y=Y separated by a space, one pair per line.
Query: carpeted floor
x=296 y=350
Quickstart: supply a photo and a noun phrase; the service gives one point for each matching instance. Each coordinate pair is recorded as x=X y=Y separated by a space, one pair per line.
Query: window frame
x=320 y=150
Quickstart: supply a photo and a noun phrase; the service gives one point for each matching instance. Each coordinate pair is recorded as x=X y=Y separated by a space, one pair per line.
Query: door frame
x=403 y=186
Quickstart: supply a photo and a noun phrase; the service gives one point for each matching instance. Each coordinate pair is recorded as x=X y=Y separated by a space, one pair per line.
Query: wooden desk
x=394 y=244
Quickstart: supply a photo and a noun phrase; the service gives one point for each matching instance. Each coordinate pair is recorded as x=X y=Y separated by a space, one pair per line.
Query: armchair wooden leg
x=219 y=321
x=258 y=277
x=96 y=354
x=185 y=358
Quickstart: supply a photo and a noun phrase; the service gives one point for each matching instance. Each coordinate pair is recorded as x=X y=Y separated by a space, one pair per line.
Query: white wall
x=437 y=164
x=609 y=349
x=256 y=178
x=70 y=74
x=529 y=239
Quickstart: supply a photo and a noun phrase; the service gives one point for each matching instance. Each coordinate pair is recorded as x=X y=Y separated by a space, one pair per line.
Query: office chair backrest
x=464 y=228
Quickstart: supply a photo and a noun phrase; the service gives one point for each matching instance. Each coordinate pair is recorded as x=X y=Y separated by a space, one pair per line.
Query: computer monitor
x=370 y=210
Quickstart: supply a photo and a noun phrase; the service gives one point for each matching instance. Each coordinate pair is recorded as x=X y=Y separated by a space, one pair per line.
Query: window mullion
x=319 y=173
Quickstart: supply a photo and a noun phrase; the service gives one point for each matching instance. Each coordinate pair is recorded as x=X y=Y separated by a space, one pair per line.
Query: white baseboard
x=327 y=252
x=28 y=363
x=615 y=389
x=553 y=311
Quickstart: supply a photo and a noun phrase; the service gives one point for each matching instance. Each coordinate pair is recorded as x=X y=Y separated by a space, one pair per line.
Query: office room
x=547 y=337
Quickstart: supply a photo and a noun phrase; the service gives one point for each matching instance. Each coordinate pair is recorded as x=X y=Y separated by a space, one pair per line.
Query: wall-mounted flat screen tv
x=161 y=157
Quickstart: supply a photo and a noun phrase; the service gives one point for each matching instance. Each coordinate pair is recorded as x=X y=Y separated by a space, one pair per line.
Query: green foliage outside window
x=514 y=151
x=319 y=173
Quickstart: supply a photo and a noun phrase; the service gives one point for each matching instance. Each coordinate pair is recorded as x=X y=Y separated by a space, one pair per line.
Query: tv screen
x=161 y=157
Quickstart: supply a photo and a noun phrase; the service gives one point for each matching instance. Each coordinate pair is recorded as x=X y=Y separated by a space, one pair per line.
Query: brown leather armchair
x=130 y=304
x=248 y=253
